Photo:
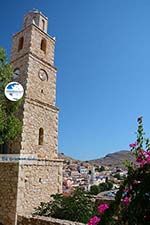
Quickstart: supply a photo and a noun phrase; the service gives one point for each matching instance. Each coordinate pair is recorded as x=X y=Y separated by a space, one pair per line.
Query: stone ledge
x=39 y=103
x=43 y=162
x=36 y=27
x=42 y=220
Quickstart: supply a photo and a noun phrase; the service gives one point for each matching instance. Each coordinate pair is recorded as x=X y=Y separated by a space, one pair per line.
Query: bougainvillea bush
x=132 y=202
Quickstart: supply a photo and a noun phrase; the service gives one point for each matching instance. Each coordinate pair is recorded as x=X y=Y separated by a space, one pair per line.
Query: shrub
x=100 y=169
x=117 y=175
x=76 y=207
x=94 y=190
x=105 y=186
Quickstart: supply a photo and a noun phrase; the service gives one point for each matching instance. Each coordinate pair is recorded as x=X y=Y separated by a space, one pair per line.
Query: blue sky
x=103 y=61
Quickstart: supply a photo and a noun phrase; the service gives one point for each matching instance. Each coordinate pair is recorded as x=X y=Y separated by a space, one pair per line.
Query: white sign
x=14 y=91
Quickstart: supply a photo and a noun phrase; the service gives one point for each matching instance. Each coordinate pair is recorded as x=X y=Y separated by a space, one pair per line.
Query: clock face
x=43 y=75
x=16 y=73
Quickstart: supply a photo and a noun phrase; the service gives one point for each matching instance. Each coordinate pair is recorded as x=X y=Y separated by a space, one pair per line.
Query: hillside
x=67 y=158
x=111 y=159
x=114 y=159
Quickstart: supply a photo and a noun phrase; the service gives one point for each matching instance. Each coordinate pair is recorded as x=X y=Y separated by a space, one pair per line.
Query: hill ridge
x=114 y=159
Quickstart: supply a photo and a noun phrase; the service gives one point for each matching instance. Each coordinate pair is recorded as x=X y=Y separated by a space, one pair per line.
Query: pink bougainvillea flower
x=139 y=159
x=133 y=145
x=148 y=159
x=103 y=207
x=148 y=152
x=143 y=157
x=127 y=189
x=94 y=220
x=126 y=200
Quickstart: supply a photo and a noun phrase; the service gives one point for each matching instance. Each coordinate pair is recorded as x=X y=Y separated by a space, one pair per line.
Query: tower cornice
x=41 y=103
x=35 y=56
x=34 y=25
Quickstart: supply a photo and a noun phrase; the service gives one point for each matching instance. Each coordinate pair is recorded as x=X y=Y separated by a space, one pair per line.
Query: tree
x=76 y=207
x=105 y=186
x=10 y=125
x=109 y=185
x=94 y=190
x=100 y=169
x=117 y=175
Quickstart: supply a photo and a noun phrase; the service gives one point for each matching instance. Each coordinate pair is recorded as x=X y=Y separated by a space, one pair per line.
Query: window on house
x=43 y=25
x=41 y=136
x=20 y=45
x=43 y=45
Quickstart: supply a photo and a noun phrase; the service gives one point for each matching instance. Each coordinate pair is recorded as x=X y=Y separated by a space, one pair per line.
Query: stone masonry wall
x=44 y=91
x=36 y=116
x=26 y=34
x=36 y=38
x=41 y=179
x=8 y=192
x=44 y=221
x=33 y=36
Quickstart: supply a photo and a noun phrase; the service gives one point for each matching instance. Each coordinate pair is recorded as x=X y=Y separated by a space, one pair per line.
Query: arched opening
x=16 y=73
x=20 y=45
x=43 y=25
x=25 y=22
x=41 y=136
x=35 y=20
x=43 y=45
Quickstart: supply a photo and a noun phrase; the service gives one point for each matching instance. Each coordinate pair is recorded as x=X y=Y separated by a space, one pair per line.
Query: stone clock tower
x=32 y=58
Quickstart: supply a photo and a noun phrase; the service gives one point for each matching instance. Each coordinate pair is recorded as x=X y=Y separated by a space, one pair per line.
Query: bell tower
x=33 y=62
x=32 y=59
